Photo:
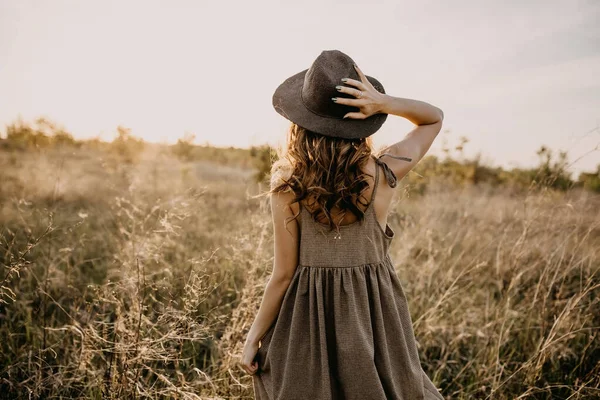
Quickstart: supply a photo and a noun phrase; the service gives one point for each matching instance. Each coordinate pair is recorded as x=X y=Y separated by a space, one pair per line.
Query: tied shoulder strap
x=389 y=174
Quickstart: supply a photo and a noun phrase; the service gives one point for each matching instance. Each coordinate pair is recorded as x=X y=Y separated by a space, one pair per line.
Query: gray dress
x=344 y=330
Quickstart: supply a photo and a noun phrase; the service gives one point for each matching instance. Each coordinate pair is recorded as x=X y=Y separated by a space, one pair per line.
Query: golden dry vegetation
x=137 y=277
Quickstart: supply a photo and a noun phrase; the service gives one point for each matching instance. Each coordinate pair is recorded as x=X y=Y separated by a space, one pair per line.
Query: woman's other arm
x=286 y=244
x=428 y=120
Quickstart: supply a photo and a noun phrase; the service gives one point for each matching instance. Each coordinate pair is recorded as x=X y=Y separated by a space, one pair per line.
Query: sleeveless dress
x=344 y=330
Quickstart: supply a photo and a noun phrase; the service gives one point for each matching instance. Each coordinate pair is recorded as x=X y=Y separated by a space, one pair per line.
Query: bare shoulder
x=283 y=209
x=280 y=171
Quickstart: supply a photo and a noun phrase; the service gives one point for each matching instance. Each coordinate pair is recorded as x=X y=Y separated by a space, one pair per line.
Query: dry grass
x=139 y=281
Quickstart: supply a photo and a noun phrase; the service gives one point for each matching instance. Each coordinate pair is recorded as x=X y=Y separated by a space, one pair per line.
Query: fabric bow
x=389 y=174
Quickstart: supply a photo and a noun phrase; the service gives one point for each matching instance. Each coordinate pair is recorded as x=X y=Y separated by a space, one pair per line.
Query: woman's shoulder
x=281 y=171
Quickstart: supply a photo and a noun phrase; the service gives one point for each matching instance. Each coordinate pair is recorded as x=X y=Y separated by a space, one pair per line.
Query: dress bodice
x=358 y=243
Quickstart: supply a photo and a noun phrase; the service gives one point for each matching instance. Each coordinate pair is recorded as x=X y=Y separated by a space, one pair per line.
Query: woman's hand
x=247 y=359
x=368 y=100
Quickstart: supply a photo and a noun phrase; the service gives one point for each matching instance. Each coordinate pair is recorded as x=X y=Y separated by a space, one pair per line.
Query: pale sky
x=510 y=75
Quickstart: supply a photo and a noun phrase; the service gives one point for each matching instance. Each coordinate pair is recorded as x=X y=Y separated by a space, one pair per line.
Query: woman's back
x=334 y=322
x=344 y=329
x=381 y=202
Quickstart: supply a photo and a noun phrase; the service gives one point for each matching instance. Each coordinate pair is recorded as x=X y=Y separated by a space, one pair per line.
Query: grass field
x=138 y=280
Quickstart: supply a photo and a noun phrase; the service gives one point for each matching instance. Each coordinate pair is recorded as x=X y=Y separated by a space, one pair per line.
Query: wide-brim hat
x=306 y=98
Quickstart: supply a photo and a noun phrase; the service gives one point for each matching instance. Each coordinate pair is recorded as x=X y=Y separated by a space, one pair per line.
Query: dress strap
x=389 y=174
x=376 y=182
x=391 y=178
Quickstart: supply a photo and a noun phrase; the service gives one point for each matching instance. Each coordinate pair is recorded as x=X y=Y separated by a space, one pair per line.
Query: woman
x=334 y=321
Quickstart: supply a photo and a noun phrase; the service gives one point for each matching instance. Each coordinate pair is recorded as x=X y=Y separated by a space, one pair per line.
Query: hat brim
x=288 y=103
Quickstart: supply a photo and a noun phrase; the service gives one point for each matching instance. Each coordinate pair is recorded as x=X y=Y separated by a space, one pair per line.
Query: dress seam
x=375 y=264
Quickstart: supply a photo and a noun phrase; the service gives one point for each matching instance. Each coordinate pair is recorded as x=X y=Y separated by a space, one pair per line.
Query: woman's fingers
x=251 y=369
x=366 y=96
x=347 y=101
x=363 y=78
x=355 y=115
x=354 y=82
x=345 y=89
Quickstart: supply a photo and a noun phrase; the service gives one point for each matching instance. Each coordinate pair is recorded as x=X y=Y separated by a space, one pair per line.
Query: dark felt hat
x=305 y=98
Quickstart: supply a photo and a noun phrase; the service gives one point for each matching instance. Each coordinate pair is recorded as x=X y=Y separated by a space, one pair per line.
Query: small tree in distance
x=126 y=145
x=184 y=149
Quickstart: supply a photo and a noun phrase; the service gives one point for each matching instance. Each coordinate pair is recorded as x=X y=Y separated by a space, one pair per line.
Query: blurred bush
x=126 y=145
x=39 y=135
x=453 y=167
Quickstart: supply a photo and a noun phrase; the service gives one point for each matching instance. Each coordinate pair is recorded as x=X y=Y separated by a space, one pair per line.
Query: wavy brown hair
x=324 y=172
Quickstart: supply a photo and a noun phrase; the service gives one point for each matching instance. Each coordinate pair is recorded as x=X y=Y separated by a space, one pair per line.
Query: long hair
x=324 y=172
